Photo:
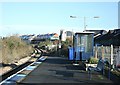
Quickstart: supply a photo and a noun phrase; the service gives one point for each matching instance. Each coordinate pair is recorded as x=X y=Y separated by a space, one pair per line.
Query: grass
x=12 y=49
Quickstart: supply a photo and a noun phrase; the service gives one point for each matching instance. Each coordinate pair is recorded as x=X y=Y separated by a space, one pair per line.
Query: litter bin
x=71 y=54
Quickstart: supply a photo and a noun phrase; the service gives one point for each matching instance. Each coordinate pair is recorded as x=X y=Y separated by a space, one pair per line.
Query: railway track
x=13 y=71
x=17 y=76
x=10 y=75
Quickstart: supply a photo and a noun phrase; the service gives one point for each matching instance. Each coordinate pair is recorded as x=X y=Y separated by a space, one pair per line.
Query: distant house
x=65 y=34
x=69 y=34
x=52 y=36
x=44 y=37
x=27 y=38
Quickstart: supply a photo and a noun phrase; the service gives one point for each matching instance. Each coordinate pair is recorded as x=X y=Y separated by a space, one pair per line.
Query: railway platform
x=61 y=70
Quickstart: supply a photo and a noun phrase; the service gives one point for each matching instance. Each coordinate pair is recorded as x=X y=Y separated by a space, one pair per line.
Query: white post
x=111 y=57
x=118 y=57
x=96 y=50
x=111 y=60
x=102 y=52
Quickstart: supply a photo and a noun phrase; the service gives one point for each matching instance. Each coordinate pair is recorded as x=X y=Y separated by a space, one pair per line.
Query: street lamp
x=84 y=20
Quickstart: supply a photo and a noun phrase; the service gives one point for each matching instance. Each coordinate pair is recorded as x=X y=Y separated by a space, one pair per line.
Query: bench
x=99 y=68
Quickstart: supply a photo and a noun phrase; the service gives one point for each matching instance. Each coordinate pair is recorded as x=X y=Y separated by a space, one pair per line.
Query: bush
x=92 y=60
x=13 y=49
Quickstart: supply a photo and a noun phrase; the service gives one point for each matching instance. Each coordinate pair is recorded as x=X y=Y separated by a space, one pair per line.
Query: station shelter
x=83 y=44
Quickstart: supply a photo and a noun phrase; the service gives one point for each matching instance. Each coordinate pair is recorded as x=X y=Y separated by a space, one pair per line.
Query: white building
x=65 y=34
x=62 y=35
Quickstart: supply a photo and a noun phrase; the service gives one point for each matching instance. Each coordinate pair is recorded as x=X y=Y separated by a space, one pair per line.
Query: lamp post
x=74 y=51
x=85 y=23
x=84 y=20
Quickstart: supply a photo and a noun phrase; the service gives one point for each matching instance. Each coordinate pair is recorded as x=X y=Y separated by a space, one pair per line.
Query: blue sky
x=48 y=17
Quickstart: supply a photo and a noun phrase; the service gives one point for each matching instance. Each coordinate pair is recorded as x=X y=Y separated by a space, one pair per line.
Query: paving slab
x=61 y=70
